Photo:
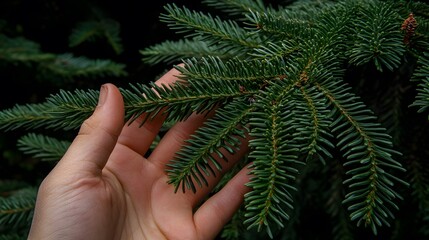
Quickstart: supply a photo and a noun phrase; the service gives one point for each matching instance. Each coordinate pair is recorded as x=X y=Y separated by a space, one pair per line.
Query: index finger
x=139 y=137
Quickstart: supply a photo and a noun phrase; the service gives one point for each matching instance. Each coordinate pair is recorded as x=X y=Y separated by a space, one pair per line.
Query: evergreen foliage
x=16 y=208
x=293 y=79
x=43 y=147
x=20 y=50
x=89 y=31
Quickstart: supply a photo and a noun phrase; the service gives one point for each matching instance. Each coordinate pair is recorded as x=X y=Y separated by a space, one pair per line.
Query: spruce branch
x=286 y=49
x=274 y=164
x=170 y=51
x=278 y=27
x=17 y=209
x=64 y=110
x=200 y=156
x=92 y=30
x=421 y=75
x=212 y=68
x=43 y=147
x=236 y=7
x=21 y=50
x=313 y=124
x=369 y=157
x=216 y=32
x=68 y=66
x=179 y=100
x=380 y=41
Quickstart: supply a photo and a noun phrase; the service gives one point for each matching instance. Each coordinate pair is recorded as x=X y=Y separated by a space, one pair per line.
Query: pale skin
x=104 y=187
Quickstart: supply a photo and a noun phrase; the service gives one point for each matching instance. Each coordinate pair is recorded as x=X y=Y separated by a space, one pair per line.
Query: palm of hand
x=104 y=187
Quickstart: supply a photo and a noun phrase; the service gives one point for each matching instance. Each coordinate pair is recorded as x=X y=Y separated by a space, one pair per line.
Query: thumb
x=98 y=134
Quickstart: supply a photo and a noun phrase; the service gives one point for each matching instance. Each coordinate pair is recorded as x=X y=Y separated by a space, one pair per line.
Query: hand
x=103 y=187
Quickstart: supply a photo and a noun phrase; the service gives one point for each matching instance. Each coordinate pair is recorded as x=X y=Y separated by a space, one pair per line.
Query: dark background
x=50 y=23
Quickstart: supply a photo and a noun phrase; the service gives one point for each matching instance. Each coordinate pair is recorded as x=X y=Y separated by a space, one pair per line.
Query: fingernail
x=103 y=95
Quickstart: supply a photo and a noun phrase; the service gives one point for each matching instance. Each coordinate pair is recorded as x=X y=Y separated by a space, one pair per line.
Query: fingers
x=139 y=138
x=98 y=134
x=212 y=216
x=176 y=138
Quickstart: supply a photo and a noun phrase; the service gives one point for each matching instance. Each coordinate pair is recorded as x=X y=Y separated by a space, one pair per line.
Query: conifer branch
x=211 y=68
x=216 y=32
x=65 y=110
x=381 y=41
x=91 y=30
x=43 y=147
x=312 y=124
x=369 y=155
x=169 y=52
x=274 y=165
x=422 y=76
x=67 y=65
x=178 y=101
x=273 y=26
x=199 y=158
x=22 y=50
x=237 y=7
x=17 y=209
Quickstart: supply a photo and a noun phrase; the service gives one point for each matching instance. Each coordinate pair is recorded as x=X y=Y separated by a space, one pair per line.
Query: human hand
x=104 y=187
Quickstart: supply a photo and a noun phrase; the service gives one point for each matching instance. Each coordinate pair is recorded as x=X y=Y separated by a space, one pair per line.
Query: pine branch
x=178 y=101
x=221 y=34
x=17 y=209
x=312 y=124
x=422 y=76
x=236 y=7
x=84 y=31
x=285 y=49
x=22 y=50
x=43 y=147
x=277 y=27
x=211 y=68
x=200 y=156
x=169 y=52
x=381 y=41
x=69 y=66
x=92 y=30
x=65 y=110
x=369 y=155
x=111 y=30
x=274 y=164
